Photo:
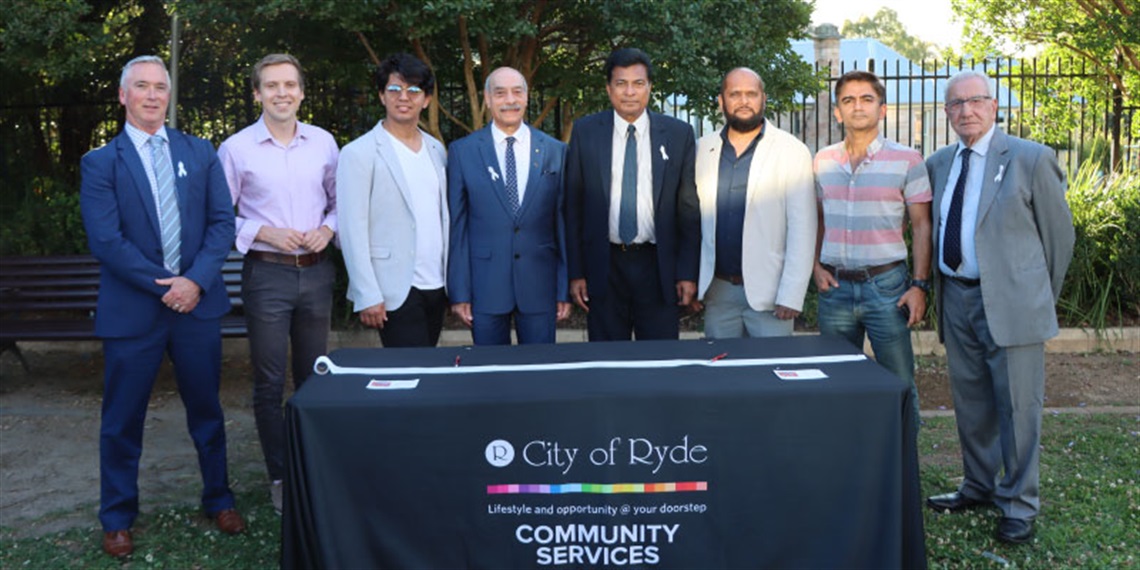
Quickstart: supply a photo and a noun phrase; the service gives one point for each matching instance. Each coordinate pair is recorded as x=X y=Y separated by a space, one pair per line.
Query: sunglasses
x=411 y=90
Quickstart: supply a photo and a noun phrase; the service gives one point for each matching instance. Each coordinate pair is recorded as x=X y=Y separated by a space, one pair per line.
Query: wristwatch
x=921 y=284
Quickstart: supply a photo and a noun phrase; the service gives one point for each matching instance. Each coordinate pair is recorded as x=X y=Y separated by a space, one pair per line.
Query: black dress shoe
x=1015 y=531
x=953 y=502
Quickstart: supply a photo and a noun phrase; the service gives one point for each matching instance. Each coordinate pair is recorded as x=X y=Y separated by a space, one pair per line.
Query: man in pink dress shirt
x=282 y=176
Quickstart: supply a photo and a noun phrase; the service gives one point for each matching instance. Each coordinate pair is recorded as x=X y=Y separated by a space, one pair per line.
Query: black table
x=700 y=465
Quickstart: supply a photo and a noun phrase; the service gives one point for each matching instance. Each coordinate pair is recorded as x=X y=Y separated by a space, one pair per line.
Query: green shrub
x=45 y=221
x=1102 y=287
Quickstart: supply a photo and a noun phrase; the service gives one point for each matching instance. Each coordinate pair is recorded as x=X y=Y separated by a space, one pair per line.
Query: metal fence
x=1065 y=104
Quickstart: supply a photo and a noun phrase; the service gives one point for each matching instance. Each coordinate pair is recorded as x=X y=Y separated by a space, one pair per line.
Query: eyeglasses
x=412 y=90
x=976 y=100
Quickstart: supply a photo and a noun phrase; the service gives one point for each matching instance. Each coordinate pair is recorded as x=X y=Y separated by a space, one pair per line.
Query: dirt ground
x=49 y=429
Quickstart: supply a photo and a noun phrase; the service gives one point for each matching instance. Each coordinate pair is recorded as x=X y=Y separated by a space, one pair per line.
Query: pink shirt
x=864 y=206
x=280 y=186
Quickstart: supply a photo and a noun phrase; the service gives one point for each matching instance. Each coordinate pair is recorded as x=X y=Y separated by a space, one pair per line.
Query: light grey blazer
x=1024 y=237
x=377 y=227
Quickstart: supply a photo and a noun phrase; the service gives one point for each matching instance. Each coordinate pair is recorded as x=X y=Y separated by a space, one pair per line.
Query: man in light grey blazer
x=392 y=187
x=1003 y=242
x=758 y=222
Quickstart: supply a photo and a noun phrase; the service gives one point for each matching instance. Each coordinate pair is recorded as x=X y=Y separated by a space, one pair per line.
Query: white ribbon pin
x=494 y=175
x=1001 y=170
x=663 y=155
x=181 y=170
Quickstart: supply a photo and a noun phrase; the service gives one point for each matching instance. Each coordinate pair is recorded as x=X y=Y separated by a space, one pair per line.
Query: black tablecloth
x=693 y=466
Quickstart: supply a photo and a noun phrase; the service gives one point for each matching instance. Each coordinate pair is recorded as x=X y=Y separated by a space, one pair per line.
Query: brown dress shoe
x=118 y=543
x=229 y=521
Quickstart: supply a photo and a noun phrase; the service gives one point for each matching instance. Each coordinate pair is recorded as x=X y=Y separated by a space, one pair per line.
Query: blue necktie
x=512 y=176
x=952 y=241
x=168 y=217
x=627 y=218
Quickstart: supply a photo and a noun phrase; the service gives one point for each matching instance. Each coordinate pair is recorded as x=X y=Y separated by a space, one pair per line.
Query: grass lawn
x=1090 y=466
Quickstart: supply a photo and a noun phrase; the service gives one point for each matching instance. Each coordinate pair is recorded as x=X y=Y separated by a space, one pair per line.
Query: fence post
x=1117 y=113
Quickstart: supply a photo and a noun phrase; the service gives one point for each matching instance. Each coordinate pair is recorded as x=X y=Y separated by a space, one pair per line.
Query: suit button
x=516 y=256
x=516 y=230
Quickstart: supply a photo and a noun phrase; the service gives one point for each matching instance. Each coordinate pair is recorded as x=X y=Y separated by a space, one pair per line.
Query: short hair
x=414 y=72
x=865 y=77
x=142 y=59
x=724 y=80
x=991 y=89
x=626 y=57
x=487 y=82
x=275 y=59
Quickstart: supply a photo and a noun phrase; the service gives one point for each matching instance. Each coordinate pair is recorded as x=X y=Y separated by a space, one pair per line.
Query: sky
x=928 y=20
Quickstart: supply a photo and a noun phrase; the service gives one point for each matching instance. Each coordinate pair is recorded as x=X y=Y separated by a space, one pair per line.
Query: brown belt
x=303 y=260
x=734 y=279
x=861 y=274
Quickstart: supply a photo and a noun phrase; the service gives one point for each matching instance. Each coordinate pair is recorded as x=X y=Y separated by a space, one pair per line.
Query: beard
x=744 y=125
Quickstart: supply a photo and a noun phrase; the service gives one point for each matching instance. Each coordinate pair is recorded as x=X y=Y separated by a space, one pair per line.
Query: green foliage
x=886 y=27
x=1105 y=34
x=47 y=221
x=1102 y=286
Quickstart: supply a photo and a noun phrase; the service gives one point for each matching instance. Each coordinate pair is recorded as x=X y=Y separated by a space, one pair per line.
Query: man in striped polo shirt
x=867 y=187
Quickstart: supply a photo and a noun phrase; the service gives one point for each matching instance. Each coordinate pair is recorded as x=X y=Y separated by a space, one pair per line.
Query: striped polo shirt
x=864 y=209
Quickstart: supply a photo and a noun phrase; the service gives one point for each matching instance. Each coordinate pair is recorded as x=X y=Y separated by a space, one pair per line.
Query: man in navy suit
x=632 y=215
x=159 y=220
x=508 y=257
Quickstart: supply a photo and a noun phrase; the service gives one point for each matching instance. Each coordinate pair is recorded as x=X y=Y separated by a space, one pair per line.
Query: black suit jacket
x=676 y=212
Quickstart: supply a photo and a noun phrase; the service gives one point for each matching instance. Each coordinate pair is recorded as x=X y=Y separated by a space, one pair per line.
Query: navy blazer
x=123 y=232
x=676 y=210
x=499 y=260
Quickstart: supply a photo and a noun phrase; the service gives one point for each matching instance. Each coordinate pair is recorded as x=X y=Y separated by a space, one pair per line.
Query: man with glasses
x=1003 y=242
x=633 y=223
x=868 y=187
x=391 y=194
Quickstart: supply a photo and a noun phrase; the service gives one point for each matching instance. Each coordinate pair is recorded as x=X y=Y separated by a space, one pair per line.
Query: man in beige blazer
x=391 y=190
x=758 y=219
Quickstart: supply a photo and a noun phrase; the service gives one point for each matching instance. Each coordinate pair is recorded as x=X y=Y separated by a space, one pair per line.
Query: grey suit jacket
x=377 y=228
x=1024 y=237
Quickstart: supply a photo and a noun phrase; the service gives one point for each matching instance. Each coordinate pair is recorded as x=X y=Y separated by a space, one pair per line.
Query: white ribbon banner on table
x=325 y=365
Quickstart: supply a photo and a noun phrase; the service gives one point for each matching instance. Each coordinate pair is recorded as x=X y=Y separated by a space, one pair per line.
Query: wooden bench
x=46 y=298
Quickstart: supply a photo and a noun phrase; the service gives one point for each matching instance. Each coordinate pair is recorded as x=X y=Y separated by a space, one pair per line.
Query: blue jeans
x=855 y=309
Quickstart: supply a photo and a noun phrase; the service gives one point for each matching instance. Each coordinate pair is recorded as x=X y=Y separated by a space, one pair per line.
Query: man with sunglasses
x=1003 y=241
x=391 y=193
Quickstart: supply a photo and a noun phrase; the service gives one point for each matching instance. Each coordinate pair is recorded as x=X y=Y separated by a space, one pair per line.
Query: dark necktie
x=952 y=241
x=512 y=177
x=627 y=219
x=169 y=220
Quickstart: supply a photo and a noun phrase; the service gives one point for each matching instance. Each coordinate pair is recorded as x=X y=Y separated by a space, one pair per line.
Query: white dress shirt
x=645 y=230
x=522 y=154
x=973 y=189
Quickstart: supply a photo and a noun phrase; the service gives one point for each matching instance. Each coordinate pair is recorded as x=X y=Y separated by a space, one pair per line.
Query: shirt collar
x=261 y=132
x=982 y=146
x=522 y=135
x=140 y=137
x=756 y=139
x=641 y=123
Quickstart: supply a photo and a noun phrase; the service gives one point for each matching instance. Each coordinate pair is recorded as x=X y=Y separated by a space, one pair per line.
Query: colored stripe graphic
x=598 y=488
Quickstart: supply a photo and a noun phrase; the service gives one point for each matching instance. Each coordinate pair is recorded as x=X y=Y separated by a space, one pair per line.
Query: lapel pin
x=181 y=170
x=663 y=155
x=1001 y=170
x=494 y=175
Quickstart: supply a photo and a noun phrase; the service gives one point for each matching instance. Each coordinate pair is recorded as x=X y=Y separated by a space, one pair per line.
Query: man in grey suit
x=1003 y=241
x=391 y=192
